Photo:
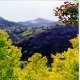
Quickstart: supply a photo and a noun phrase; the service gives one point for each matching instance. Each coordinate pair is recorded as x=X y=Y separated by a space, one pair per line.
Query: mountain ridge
x=39 y=22
x=5 y=24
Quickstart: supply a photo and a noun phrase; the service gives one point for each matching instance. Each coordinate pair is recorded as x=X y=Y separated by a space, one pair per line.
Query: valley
x=33 y=36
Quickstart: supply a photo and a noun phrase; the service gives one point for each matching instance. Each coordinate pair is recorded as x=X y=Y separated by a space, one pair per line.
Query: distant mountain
x=39 y=22
x=5 y=24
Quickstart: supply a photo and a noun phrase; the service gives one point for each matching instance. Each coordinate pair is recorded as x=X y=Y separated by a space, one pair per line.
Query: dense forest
x=44 y=54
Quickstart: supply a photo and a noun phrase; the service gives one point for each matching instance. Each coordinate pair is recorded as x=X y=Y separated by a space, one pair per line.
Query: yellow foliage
x=66 y=64
x=75 y=42
x=36 y=68
x=9 y=57
x=64 y=67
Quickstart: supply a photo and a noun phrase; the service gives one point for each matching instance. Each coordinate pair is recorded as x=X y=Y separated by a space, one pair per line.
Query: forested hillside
x=48 y=42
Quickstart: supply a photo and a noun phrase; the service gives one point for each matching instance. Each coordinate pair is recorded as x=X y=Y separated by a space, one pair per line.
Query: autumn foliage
x=64 y=67
x=9 y=57
x=68 y=13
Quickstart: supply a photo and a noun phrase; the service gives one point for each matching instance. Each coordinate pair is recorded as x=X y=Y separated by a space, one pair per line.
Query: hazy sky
x=28 y=10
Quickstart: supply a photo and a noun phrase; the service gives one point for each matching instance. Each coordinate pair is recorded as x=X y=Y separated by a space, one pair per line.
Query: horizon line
x=28 y=20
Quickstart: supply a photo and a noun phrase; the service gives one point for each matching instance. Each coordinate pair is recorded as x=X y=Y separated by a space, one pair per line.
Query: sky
x=28 y=10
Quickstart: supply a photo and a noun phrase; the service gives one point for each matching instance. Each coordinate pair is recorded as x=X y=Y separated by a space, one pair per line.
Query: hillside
x=9 y=25
x=49 y=42
x=20 y=31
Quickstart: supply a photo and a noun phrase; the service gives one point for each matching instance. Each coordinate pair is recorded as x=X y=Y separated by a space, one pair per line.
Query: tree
x=68 y=13
x=9 y=58
x=65 y=66
x=36 y=68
